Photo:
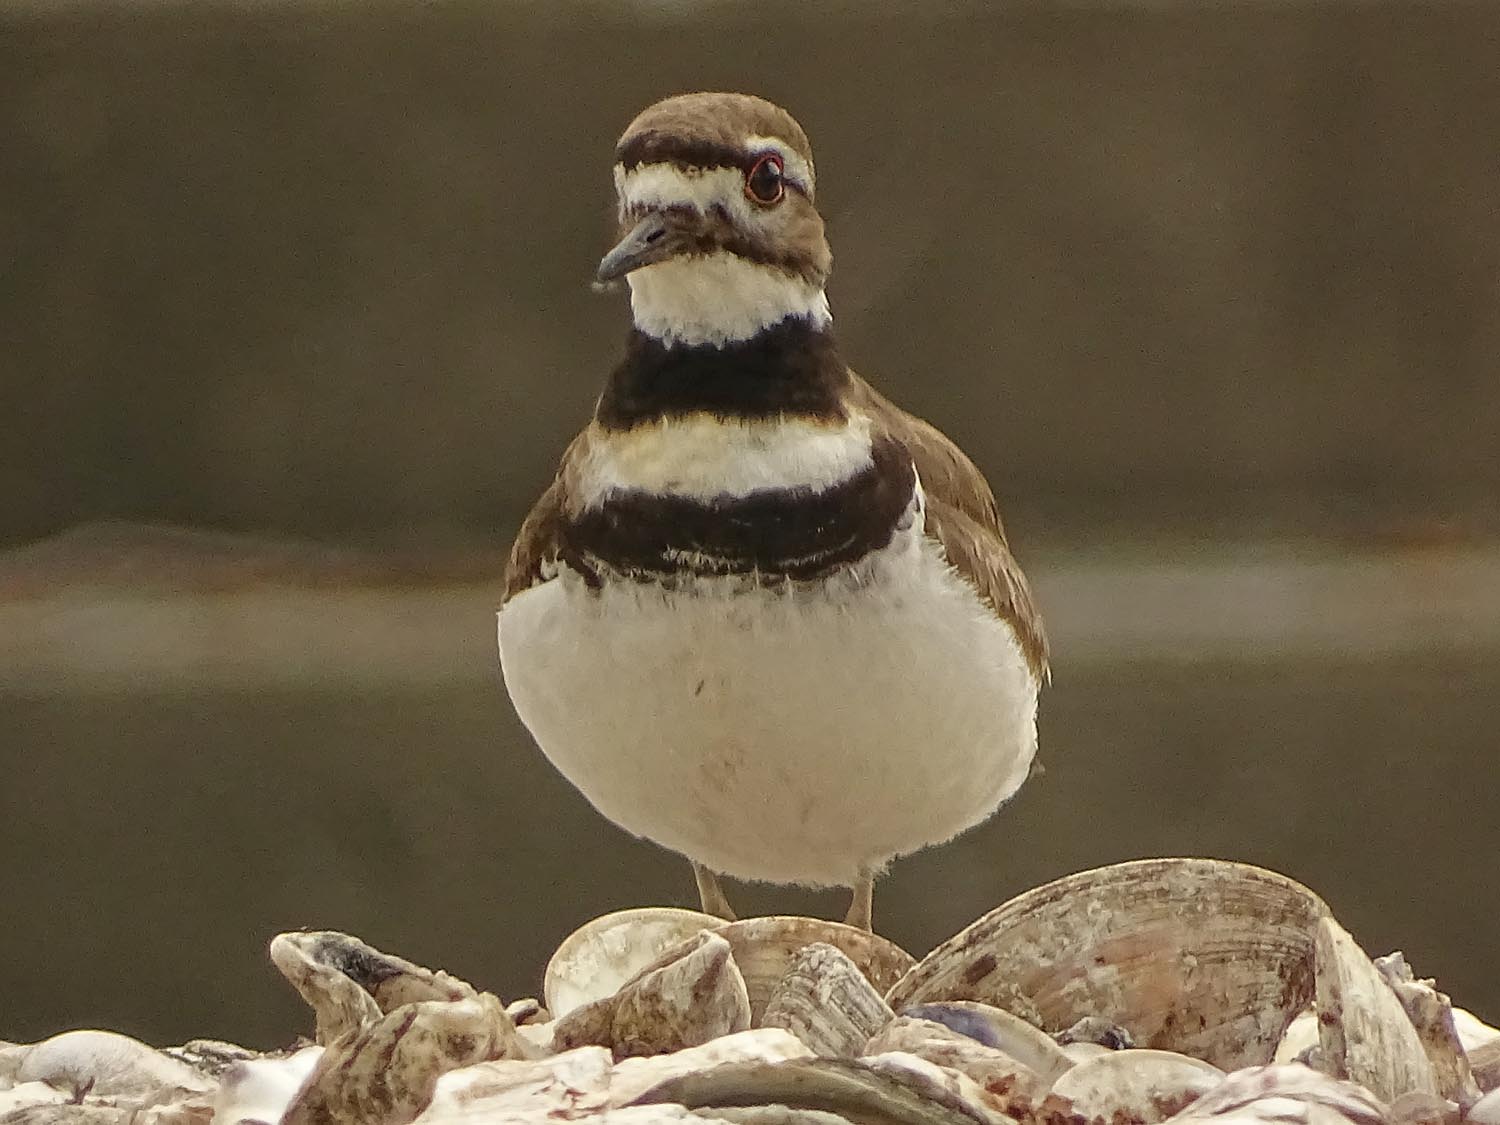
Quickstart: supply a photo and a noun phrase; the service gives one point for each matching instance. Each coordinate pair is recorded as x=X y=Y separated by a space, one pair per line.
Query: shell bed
x=1194 y=991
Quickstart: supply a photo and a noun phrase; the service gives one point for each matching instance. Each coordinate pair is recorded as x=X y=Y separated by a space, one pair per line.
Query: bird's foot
x=711 y=895
x=862 y=908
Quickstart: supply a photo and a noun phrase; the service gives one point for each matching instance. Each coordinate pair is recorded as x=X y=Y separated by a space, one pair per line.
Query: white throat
x=719 y=298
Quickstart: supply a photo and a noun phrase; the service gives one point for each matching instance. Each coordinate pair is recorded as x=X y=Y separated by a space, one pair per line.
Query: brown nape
x=714 y=125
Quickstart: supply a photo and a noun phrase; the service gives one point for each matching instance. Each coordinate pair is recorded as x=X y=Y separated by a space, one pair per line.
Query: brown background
x=1192 y=283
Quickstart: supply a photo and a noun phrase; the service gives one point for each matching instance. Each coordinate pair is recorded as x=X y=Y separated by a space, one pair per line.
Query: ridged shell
x=600 y=956
x=764 y=949
x=825 y=1001
x=1204 y=957
x=1146 y=1086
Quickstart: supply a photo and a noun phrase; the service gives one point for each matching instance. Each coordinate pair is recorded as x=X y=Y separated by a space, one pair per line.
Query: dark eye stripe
x=664 y=148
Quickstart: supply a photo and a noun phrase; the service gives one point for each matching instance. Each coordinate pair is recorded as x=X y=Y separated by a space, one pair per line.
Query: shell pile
x=1192 y=991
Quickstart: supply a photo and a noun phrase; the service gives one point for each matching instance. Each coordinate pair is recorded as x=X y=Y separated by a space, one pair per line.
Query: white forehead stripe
x=719 y=298
x=666 y=185
x=702 y=458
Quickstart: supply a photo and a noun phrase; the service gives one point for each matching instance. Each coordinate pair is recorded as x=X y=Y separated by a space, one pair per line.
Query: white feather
x=719 y=298
x=803 y=735
x=702 y=457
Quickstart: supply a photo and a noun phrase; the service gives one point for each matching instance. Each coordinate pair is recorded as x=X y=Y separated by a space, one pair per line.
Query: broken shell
x=1208 y=958
x=853 y=1089
x=1364 y=1032
x=349 y=984
x=1001 y=1030
x=825 y=1001
x=211 y=1057
x=1272 y=1094
x=105 y=1064
x=598 y=957
x=259 y=1091
x=1484 y=1060
x=1431 y=1014
x=994 y=1071
x=694 y=998
x=387 y=1071
x=764 y=949
x=1145 y=1085
x=761 y=1046
x=1301 y=1037
x=1486 y=1111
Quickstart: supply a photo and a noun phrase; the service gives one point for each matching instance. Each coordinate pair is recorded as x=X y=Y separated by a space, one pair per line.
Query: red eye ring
x=764 y=182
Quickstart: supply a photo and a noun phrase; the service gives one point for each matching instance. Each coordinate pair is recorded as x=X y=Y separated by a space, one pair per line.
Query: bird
x=762 y=616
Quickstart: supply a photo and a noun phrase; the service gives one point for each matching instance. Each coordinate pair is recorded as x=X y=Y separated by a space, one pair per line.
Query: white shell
x=1431 y=1014
x=104 y=1064
x=696 y=997
x=825 y=1001
x=1145 y=1085
x=764 y=949
x=1204 y=957
x=1285 y=1095
x=260 y=1090
x=993 y=1070
x=598 y=957
x=1363 y=1030
x=1010 y=1034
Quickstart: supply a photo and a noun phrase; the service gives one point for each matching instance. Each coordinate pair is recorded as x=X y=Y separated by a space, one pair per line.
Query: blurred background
x=295 y=319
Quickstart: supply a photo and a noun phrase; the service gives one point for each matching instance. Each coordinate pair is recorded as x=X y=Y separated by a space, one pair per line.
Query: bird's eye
x=763 y=183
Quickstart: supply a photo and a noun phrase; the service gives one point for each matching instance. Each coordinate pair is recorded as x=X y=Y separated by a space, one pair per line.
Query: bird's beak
x=657 y=237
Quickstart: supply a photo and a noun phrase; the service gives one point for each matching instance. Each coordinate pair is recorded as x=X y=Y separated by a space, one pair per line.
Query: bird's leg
x=710 y=894
x=862 y=908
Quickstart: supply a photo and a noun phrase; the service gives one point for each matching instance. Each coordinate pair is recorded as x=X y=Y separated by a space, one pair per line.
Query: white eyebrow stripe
x=667 y=185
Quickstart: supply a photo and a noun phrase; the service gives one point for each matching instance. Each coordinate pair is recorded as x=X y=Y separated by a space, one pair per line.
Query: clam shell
x=825 y=1001
x=1146 y=1086
x=1204 y=957
x=696 y=997
x=996 y=1028
x=1363 y=1031
x=104 y=1064
x=764 y=949
x=597 y=958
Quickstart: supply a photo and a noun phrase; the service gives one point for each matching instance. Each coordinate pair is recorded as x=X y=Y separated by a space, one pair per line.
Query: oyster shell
x=1001 y=1030
x=1287 y=1094
x=388 y=1070
x=1364 y=1032
x=825 y=1001
x=104 y=1064
x=1145 y=1085
x=1204 y=957
x=597 y=958
x=996 y=1072
x=1431 y=1014
x=692 y=999
x=857 y=1090
x=764 y=949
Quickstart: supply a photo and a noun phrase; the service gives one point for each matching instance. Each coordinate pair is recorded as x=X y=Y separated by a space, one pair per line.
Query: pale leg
x=862 y=908
x=710 y=894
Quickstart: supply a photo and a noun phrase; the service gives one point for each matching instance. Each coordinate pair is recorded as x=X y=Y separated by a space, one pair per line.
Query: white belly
x=802 y=735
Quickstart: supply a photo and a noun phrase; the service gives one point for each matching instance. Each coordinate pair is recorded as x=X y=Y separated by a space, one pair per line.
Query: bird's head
x=719 y=237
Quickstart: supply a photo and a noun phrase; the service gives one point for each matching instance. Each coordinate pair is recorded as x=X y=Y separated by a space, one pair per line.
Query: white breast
x=803 y=735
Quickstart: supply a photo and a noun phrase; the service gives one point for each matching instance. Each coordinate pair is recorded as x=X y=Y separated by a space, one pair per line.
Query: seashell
x=1098 y=1030
x=825 y=1001
x=349 y=984
x=692 y=999
x=1363 y=1030
x=764 y=949
x=1423 y=1109
x=25 y=1095
x=210 y=1056
x=1472 y=1031
x=997 y=1028
x=387 y=1071
x=105 y=1064
x=258 y=1091
x=750 y=1115
x=598 y=957
x=1486 y=1111
x=1145 y=1085
x=997 y=1073
x=1301 y=1037
x=761 y=1046
x=1285 y=1095
x=852 y=1088
x=1208 y=958
x=522 y=1012
x=1082 y=1052
x=1484 y=1061
x=942 y=1083
x=1431 y=1014
x=566 y=1085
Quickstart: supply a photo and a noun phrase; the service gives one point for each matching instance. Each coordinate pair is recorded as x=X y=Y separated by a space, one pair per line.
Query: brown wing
x=963 y=518
x=539 y=541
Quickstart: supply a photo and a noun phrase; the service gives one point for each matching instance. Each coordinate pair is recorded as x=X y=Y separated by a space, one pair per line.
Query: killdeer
x=762 y=616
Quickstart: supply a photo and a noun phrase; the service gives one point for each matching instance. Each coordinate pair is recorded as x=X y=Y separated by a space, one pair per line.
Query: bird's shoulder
x=535 y=553
x=962 y=518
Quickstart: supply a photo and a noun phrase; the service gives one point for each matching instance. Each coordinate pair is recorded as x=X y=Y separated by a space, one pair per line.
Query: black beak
x=655 y=238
